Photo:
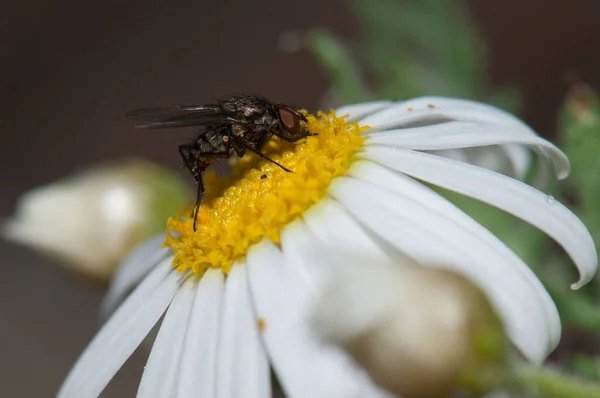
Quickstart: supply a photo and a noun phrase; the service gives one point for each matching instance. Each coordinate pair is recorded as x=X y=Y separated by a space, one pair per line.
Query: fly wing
x=180 y=116
x=167 y=112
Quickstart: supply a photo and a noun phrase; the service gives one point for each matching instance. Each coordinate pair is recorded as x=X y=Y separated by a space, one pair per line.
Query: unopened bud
x=91 y=220
x=418 y=332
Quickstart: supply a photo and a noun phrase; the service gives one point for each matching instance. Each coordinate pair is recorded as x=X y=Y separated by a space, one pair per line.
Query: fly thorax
x=267 y=120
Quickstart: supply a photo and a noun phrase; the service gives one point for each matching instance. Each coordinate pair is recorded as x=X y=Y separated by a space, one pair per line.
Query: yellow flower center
x=259 y=198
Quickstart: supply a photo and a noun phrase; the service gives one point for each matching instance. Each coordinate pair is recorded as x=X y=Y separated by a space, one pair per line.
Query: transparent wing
x=181 y=116
x=167 y=112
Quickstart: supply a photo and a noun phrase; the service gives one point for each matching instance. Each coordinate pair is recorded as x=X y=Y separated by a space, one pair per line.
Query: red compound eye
x=290 y=120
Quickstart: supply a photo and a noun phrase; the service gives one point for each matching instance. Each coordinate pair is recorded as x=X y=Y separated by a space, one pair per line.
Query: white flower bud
x=92 y=219
x=417 y=331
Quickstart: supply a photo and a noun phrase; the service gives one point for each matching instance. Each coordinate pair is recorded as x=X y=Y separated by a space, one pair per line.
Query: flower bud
x=417 y=331
x=92 y=219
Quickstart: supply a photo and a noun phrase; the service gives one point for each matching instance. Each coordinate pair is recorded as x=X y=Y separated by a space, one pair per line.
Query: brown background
x=69 y=70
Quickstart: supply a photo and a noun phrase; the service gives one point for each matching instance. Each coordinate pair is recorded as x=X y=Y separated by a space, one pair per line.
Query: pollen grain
x=262 y=324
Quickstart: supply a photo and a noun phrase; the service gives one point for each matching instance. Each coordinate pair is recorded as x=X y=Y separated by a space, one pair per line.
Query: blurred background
x=70 y=70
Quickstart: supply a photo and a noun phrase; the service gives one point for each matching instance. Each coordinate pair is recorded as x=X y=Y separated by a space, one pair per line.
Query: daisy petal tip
x=586 y=273
x=577 y=285
x=563 y=174
x=583 y=280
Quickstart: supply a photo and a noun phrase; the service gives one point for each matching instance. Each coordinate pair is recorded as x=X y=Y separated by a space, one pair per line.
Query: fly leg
x=245 y=144
x=199 y=195
x=197 y=162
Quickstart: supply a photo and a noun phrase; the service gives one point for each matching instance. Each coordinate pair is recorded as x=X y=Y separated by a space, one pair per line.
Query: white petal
x=405 y=186
x=505 y=193
x=160 y=374
x=197 y=373
x=358 y=111
x=433 y=231
x=467 y=108
x=464 y=135
x=511 y=160
x=305 y=367
x=297 y=245
x=335 y=229
x=135 y=267
x=520 y=159
x=242 y=365
x=429 y=110
x=123 y=332
x=432 y=110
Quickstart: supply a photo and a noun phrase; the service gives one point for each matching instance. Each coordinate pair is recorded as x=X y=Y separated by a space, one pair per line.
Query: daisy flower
x=236 y=295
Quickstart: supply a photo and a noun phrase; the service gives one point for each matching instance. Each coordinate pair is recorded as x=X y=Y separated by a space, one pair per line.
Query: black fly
x=230 y=127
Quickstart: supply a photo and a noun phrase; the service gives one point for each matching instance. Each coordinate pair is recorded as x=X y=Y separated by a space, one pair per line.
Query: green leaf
x=409 y=49
x=507 y=98
x=429 y=43
x=586 y=366
x=335 y=59
x=580 y=136
x=576 y=308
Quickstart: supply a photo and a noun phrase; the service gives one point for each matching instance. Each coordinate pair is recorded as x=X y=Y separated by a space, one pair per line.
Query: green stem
x=551 y=383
